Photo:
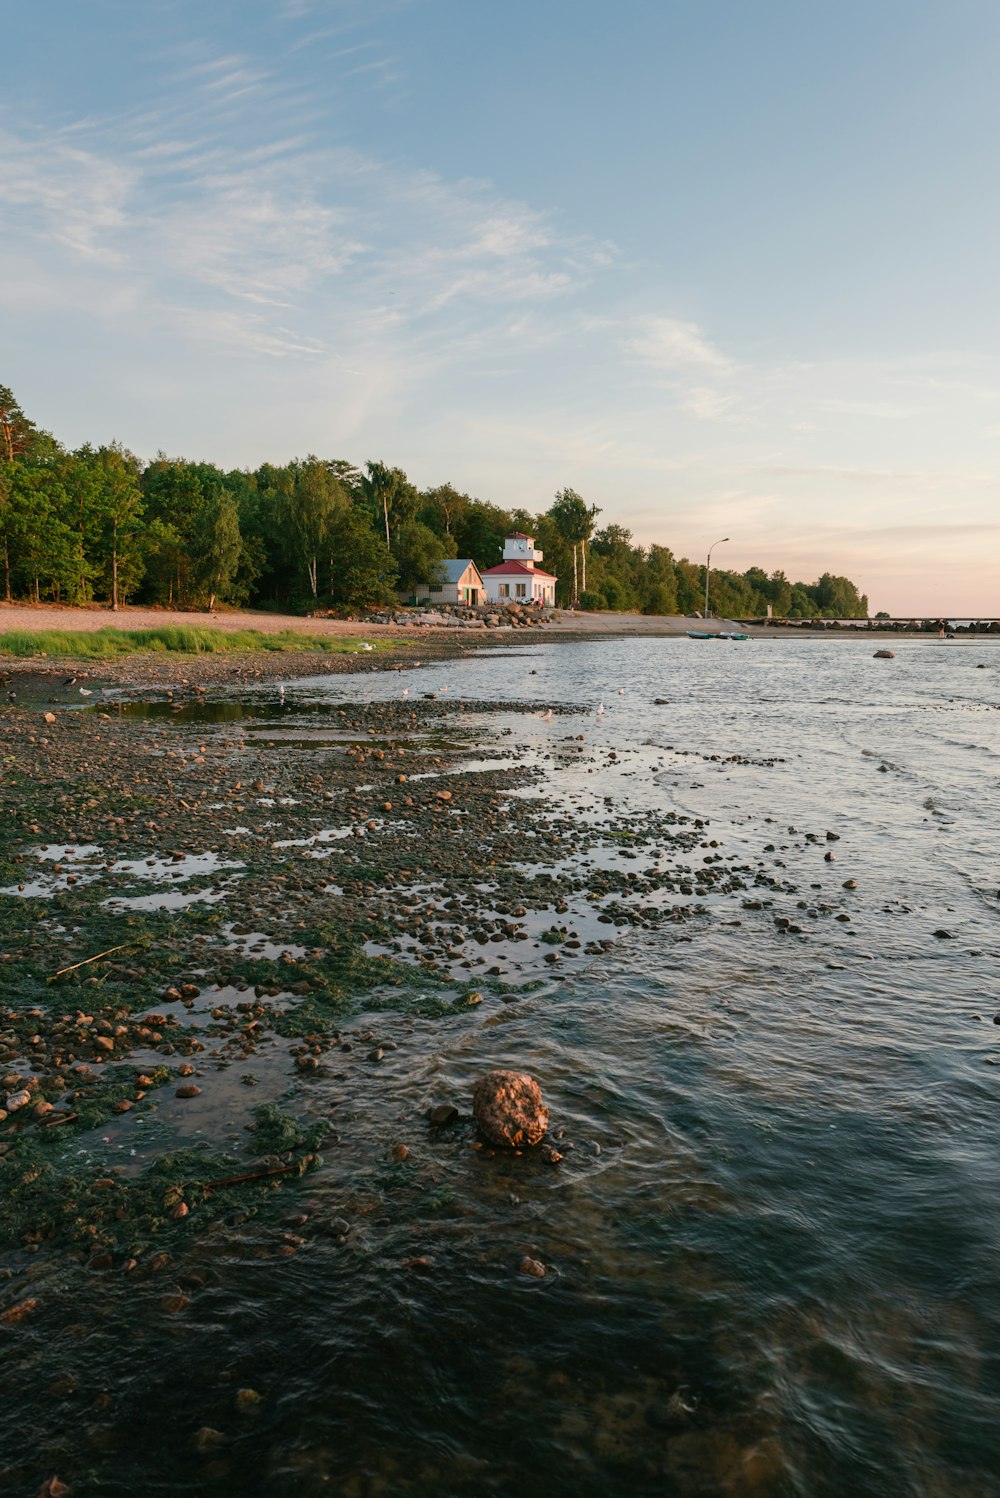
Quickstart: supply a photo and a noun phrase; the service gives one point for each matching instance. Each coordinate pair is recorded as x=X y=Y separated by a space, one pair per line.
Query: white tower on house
x=518 y=578
x=521 y=548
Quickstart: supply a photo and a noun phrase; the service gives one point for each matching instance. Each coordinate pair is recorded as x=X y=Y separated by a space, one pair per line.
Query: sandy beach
x=53 y=616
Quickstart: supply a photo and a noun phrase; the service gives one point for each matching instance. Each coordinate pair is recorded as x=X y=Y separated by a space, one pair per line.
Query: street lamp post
x=708 y=568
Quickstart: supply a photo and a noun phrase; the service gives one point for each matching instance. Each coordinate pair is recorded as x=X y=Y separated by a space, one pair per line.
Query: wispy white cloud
x=669 y=344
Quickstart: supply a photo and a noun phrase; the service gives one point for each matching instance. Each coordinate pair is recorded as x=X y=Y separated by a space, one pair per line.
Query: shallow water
x=773 y=1240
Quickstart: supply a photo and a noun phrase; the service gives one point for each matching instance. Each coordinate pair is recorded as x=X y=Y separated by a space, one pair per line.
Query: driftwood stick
x=73 y=967
x=256 y=1175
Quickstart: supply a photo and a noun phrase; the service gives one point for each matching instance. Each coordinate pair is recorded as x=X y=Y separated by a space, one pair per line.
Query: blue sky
x=726 y=269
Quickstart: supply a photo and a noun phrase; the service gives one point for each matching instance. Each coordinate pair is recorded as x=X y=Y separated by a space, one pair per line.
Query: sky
x=727 y=269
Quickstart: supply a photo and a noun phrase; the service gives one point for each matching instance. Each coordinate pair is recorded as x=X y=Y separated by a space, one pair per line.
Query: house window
x=522 y=590
x=437 y=587
x=505 y=590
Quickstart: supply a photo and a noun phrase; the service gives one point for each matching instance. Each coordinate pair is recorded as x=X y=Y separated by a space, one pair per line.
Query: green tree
x=18 y=434
x=117 y=499
x=442 y=508
x=690 y=584
x=479 y=530
x=780 y=595
x=366 y=570
x=40 y=544
x=575 y=522
x=658 y=593
x=312 y=500
x=218 y=547
x=389 y=493
x=419 y=553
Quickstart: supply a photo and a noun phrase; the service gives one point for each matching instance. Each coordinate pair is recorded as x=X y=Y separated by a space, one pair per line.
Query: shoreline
x=37 y=618
x=265 y=947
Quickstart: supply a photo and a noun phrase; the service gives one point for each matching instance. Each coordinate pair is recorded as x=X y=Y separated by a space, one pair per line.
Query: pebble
x=534 y=1267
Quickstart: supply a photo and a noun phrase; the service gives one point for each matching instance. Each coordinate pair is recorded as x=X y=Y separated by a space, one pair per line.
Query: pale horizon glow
x=722 y=269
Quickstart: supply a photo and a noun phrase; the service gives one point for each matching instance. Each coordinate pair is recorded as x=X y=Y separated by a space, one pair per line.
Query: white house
x=460 y=582
x=517 y=579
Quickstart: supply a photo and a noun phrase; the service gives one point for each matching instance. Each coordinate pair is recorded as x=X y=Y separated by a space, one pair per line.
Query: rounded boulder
x=509 y=1109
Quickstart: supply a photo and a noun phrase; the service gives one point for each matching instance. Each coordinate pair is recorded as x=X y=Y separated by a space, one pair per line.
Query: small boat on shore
x=722 y=634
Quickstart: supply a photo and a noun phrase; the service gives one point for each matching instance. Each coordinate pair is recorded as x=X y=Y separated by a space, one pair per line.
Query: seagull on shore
x=365 y=645
x=405 y=692
x=547 y=717
x=85 y=692
x=600 y=710
x=621 y=691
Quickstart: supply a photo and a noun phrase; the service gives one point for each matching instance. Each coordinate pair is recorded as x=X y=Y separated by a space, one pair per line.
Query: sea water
x=772 y=1244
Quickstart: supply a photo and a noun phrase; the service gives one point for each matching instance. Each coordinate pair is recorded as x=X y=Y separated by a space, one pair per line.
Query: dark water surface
x=773 y=1249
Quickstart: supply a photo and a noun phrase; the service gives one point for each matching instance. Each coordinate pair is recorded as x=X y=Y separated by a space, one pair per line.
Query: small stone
x=534 y=1267
x=188 y=1090
x=19 y=1312
x=850 y=884
x=400 y=1153
x=54 y=1489
x=442 y=1113
x=49 y=717
x=247 y=1400
x=209 y=1439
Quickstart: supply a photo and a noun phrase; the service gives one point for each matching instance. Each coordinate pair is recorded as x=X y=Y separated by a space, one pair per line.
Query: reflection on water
x=772 y=1241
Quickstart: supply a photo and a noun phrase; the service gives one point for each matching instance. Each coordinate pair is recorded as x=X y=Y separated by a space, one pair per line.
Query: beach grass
x=111 y=644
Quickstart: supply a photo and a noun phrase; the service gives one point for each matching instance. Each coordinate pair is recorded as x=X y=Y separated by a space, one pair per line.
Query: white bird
x=366 y=646
x=547 y=717
x=405 y=692
x=621 y=691
x=85 y=692
x=600 y=711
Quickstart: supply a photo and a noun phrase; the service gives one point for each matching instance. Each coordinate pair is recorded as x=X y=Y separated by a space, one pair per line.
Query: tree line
x=98 y=524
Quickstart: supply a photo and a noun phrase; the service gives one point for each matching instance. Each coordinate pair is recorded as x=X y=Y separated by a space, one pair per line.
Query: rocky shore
x=233 y=919
x=196 y=876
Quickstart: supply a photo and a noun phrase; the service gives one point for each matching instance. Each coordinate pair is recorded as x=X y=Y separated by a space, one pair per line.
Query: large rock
x=509 y=1109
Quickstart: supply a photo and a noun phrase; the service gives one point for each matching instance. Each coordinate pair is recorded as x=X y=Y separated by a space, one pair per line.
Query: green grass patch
x=177 y=639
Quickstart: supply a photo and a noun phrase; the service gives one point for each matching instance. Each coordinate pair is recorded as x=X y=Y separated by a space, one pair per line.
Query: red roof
x=519 y=569
x=518 y=536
